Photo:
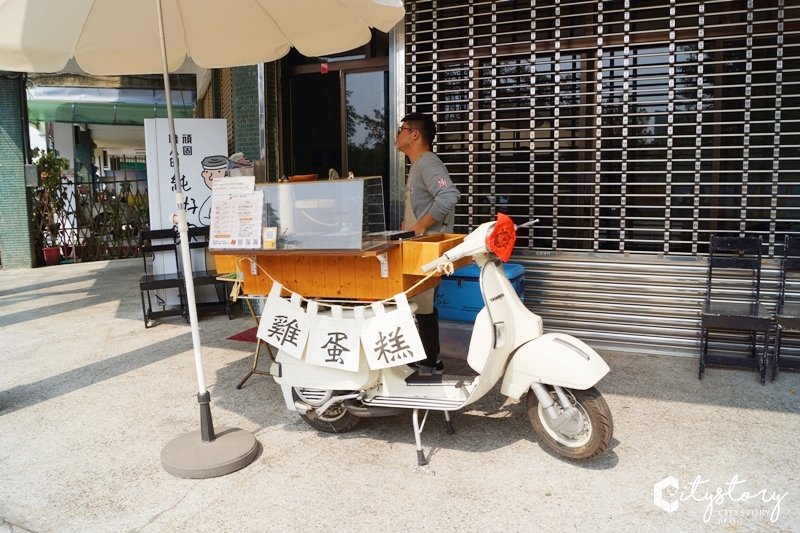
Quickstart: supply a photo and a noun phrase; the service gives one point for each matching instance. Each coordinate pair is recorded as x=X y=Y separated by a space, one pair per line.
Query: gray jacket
x=432 y=191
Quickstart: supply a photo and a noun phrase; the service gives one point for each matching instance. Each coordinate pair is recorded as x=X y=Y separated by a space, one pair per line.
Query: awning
x=116 y=113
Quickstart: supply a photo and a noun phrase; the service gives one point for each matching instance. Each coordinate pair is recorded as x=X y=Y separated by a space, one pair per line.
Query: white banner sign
x=391 y=339
x=203 y=148
x=283 y=324
x=202 y=145
x=334 y=341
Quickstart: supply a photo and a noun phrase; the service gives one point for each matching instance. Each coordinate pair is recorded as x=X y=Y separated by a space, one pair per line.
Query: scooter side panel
x=297 y=373
x=480 y=344
x=554 y=359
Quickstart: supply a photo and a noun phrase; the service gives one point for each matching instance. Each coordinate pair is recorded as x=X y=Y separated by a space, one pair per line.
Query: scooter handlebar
x=427 y=267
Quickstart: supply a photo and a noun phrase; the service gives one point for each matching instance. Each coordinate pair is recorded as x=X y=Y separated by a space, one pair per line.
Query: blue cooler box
x=459 y=297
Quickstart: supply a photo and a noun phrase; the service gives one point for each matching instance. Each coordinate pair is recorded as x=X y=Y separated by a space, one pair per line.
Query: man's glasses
x=399 y=131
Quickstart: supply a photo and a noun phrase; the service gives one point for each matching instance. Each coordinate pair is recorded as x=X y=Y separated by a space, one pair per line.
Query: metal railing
x=103 y=217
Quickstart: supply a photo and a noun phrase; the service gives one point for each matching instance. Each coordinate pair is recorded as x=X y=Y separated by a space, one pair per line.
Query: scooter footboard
x=555 y=359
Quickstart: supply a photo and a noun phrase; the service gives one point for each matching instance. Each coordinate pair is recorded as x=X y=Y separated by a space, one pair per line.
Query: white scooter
x=557 y=371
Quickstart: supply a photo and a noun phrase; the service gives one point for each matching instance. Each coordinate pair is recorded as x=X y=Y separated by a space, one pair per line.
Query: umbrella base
x=187 y=456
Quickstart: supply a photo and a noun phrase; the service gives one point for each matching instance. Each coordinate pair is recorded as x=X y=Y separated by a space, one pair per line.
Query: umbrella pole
x=203 y=453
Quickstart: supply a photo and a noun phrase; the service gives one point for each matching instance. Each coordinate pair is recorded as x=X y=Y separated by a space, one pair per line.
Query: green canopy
x=112 y=113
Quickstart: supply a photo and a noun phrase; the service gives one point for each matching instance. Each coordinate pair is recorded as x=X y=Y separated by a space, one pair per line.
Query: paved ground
x=89 y=397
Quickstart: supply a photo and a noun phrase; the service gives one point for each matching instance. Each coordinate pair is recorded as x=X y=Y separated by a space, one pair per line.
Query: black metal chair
x=787 y=313
x=734 y=278
x=202 y=276
x=151 y=282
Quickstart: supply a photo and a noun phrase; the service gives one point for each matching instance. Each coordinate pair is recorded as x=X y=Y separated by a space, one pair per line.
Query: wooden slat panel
x=225 y=263
x=347 y=277
x=362 y=277
x=302 y=271
x=326 y=275
x=330 y=275
x=288 y=267
x=316 y=281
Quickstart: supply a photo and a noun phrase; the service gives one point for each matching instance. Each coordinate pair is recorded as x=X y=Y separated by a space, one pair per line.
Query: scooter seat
x=441 y=380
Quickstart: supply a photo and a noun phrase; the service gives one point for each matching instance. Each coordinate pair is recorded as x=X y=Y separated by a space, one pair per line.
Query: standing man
x=430 y=203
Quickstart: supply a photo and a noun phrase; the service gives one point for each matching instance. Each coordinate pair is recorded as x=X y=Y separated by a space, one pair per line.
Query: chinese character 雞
x=283 y=330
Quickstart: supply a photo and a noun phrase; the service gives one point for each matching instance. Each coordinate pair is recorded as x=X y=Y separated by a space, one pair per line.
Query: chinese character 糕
x=394 y=345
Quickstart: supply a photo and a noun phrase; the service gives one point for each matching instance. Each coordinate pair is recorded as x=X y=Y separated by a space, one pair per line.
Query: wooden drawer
x=423 y=250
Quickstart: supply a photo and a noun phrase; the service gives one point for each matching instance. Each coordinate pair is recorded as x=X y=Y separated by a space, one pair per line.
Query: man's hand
x=422 y=225
x=418 y=229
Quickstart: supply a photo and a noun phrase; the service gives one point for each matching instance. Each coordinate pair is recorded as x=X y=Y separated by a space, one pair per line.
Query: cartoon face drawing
x=214 y=166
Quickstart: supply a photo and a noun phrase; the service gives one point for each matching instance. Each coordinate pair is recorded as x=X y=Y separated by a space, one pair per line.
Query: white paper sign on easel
x=284 y=324
x=334 y=341
x=391 y=339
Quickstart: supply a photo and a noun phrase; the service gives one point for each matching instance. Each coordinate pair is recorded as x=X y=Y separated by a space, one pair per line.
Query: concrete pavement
x=89 y=397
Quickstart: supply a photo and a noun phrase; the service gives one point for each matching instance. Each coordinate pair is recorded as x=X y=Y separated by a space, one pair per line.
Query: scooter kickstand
x=449 y=422
x=421 y=461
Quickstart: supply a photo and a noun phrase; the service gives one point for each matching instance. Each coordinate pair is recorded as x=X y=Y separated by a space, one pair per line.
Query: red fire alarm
x=323 y=68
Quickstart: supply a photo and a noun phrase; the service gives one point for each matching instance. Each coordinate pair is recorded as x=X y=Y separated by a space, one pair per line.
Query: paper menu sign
x=234 y=185
x=236 y=221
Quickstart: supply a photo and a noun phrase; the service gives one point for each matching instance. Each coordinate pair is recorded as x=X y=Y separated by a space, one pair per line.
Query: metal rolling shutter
x=633 y=130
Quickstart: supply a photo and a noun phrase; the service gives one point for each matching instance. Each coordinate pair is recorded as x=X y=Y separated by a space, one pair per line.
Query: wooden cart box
x=344 y=274
x=423 y=250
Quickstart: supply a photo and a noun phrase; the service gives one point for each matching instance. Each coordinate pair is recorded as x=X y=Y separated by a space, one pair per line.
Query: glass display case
x=324 y=215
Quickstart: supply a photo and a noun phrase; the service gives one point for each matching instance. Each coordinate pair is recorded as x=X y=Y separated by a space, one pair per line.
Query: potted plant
x=50 y=199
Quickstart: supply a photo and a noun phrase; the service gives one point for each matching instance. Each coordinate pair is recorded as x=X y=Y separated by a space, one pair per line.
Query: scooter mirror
x=502 y=238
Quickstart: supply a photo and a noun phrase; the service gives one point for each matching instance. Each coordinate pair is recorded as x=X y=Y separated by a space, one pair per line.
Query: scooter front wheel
x=586 y=436
x=337 y=419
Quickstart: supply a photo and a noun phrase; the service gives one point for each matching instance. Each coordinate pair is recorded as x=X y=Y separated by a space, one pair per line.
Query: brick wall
x=245 y=111
x=16 y=246
x=244 y=98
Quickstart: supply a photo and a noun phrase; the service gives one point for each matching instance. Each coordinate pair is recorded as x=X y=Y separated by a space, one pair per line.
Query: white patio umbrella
x=114 y=37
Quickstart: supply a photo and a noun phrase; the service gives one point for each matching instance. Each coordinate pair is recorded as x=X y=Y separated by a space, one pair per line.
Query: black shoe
x=431 y=370
x=413 y=366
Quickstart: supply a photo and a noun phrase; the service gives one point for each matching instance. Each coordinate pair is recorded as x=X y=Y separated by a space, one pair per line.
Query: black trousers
x=428 y=326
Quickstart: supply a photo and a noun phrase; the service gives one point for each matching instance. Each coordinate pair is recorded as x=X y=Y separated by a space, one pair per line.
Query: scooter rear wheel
x=336 y=419
x=589 y=441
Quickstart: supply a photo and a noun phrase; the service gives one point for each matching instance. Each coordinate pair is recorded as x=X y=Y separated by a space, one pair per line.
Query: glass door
x=340 y=121
x=366 y=106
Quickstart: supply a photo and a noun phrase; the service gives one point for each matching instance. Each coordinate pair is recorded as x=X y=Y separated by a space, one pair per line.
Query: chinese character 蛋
x=335 y=349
